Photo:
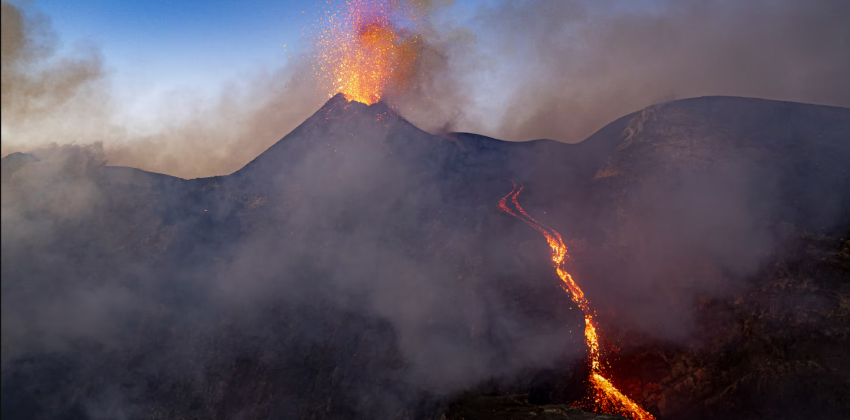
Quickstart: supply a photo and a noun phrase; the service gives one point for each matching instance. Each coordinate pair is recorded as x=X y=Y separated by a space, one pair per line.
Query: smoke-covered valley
x=359 y=267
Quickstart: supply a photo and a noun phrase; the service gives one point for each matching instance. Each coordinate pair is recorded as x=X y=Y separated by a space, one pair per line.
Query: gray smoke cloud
x=347 y=267
x=34 y=86
x=356 y=248
x=563 y=69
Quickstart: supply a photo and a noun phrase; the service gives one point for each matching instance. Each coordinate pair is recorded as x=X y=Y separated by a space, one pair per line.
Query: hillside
x=359 y=268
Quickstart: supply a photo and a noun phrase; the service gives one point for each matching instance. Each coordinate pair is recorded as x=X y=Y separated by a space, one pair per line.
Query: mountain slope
x=359 y=267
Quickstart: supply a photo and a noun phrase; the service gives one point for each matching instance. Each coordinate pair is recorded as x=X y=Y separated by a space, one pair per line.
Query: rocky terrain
x=517 y=407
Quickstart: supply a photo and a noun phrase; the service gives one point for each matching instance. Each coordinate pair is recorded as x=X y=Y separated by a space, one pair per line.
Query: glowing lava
x=606 y=397
x=362 y=51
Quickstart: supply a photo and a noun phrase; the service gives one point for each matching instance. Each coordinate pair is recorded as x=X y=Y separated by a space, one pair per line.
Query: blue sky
x=155 y=47
x=159 y=45
x=168 y=44
x=521 y=70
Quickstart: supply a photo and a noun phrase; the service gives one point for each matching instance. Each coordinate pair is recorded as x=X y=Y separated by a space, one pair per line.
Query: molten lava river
x=606 y=397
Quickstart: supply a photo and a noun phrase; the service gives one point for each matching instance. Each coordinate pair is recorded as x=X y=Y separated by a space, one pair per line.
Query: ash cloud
x=58 y=99
x=306 y=267
x=322 y=277
x=516 y=71
x=563 y=69
x=34 y=86
x=51 y=97
x=54 y=98
x=305 y=281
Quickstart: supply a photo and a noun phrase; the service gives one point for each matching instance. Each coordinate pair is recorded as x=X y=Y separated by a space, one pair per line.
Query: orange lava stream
x=606 y=397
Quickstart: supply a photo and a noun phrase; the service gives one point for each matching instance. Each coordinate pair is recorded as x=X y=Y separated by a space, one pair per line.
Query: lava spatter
x=362 y=49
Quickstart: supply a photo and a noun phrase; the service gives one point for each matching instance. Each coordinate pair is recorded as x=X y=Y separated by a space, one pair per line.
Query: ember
x=606 y=397
x=361 y=50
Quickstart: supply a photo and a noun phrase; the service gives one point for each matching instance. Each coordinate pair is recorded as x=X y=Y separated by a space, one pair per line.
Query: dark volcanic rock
x=359 y=268
x=774 y=349
x=515 y=407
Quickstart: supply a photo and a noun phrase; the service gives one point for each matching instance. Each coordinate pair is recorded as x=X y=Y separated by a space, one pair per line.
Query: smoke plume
x=385 y=279
x=563 y=69
x=514 y=70
x=53 y=98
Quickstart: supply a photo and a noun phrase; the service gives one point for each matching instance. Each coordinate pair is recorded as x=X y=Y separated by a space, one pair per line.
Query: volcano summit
x=360 y=268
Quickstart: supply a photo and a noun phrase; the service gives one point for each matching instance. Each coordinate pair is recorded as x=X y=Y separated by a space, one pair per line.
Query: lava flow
x=606 y=397
x=362 y=51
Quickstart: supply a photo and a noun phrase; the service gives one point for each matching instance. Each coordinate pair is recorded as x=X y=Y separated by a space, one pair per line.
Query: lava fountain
x=605 y=396
x=362 y=49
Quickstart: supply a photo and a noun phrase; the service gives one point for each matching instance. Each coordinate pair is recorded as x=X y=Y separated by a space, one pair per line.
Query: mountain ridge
x=338 y=103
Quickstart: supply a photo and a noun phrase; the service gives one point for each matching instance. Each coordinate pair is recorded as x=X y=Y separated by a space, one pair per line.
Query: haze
x=196 y=90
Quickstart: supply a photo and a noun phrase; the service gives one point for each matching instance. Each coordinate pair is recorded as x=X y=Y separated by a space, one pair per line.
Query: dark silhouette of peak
x=12 y=162
x=338 y=106
x=789 y=152
x=339 y=110
x=339 y=123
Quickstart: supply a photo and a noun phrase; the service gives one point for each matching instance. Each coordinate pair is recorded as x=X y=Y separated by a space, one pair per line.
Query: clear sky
x=160 y=44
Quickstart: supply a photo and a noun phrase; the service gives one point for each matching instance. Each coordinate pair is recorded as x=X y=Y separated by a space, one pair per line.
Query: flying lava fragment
x=366 y=47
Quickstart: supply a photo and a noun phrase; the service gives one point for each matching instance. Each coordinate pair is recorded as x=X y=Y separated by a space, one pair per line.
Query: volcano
x=360 y=268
